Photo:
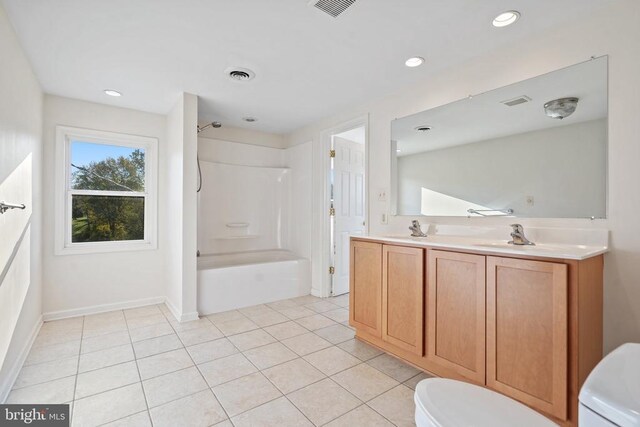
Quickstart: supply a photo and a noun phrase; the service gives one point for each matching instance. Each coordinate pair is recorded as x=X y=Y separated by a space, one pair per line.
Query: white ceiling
x=307 y=64
x=485 y=117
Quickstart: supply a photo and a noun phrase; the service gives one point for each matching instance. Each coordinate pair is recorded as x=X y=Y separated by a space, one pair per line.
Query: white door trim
x=325 y=139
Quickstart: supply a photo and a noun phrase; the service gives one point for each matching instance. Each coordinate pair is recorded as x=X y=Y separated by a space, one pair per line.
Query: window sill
x=105 y=247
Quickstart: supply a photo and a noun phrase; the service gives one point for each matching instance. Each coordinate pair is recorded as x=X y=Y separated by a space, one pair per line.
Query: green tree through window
x=110 y=217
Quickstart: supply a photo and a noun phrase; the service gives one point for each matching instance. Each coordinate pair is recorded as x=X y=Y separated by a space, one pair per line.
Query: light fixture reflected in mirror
x=561 y=108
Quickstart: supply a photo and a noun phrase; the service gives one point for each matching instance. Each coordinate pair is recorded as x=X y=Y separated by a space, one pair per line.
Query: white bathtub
x=230 y=281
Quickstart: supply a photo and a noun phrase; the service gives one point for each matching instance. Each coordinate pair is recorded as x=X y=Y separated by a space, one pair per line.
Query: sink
x=563 y=246
x=542 y=248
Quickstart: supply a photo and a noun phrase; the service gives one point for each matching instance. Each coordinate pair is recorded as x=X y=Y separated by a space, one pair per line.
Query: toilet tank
x=611 y=393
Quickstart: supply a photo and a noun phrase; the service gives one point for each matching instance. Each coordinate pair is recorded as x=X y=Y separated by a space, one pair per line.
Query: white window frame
x=64 y=192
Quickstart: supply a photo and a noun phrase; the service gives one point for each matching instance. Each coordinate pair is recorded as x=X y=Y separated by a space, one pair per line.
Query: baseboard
x=181 y=317
x=172 y=309
x=95 y=309
x=7 y=383
x=188 y=317
x=316 y=293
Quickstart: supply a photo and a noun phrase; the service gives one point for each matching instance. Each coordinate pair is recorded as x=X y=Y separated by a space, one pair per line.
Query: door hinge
x=332 y=212
x=332 y=270
x=332 y=153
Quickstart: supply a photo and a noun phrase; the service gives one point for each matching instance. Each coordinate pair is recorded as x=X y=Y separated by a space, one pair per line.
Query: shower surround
x=249 y=227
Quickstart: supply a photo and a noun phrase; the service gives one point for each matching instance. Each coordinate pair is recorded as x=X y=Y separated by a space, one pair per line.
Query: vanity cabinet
x=365 y=283
x=455 y=319
x=527 y=327
x=402 y=297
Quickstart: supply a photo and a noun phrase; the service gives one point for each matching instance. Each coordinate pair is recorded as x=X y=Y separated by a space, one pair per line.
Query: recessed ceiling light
x=506 y=18
x=249 y=119
x=112 y=92
x=398 y=150
x=415 y=61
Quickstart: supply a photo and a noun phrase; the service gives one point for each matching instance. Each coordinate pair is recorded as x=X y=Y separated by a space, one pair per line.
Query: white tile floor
x=289 y=363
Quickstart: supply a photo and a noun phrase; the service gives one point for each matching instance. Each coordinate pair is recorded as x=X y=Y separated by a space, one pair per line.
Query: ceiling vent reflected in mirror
x=332 y=7
x=516 y=101
x=561 y=108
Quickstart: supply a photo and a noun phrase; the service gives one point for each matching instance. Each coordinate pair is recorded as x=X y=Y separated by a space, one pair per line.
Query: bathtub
x=231 y=281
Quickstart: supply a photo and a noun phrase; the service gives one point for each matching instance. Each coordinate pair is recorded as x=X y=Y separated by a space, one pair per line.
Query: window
x=105 y=191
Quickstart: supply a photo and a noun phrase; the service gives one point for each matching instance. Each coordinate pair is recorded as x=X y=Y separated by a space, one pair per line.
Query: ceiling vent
x=516 y=101
x=240 y=74
x=332 y=7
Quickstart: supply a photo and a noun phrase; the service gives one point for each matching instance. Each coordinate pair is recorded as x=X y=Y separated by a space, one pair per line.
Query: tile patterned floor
x=288 y=363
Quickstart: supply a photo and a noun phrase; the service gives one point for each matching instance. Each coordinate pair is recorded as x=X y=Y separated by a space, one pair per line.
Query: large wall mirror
x=535 y=149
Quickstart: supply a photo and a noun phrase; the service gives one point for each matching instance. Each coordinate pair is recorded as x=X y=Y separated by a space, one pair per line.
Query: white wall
x=613 y=31
x=73 y=283
x=20 y=182
x=299 y=159
x=239 y=153
x=180 y=207
x=501 y=173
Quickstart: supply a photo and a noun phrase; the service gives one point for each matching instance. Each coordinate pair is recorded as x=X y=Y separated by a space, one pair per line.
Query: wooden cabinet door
x=456 y=313
x=365 y=287
x=403 y=297
x=527 y=332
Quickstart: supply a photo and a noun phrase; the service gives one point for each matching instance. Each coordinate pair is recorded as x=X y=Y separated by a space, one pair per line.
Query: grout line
x=44 y=382
x=325 y=376
x=276 y=387
x=75 y=385
x=72 y=406
x=144 y=394
x=119 y=419
x=261 y=328
x=364 y=402
x=258 y=370
x=377 y=412
x=202 y=376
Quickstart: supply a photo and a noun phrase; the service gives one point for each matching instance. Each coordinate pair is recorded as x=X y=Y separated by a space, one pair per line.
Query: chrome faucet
x=518 y=236
x=416 y=231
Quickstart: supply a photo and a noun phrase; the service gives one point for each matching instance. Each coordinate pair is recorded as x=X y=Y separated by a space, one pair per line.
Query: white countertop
x=577 y=244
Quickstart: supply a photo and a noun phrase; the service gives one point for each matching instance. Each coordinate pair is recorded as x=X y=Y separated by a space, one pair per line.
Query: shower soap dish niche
x=238 y=225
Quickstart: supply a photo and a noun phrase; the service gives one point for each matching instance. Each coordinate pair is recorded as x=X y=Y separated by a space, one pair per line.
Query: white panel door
x=349 y=204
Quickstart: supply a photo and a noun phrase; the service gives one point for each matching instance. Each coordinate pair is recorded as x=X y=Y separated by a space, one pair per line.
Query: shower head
x=215 y=125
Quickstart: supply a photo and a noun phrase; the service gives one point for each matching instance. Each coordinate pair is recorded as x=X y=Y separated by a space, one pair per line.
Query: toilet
x=611 y=394
x=609 y=397
x=442 y=402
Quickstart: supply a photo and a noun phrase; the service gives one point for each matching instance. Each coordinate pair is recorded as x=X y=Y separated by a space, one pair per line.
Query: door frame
x=326 y=288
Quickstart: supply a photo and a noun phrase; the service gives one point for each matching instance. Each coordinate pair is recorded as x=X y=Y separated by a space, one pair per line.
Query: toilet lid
x=450 y=403
x=612 y=389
